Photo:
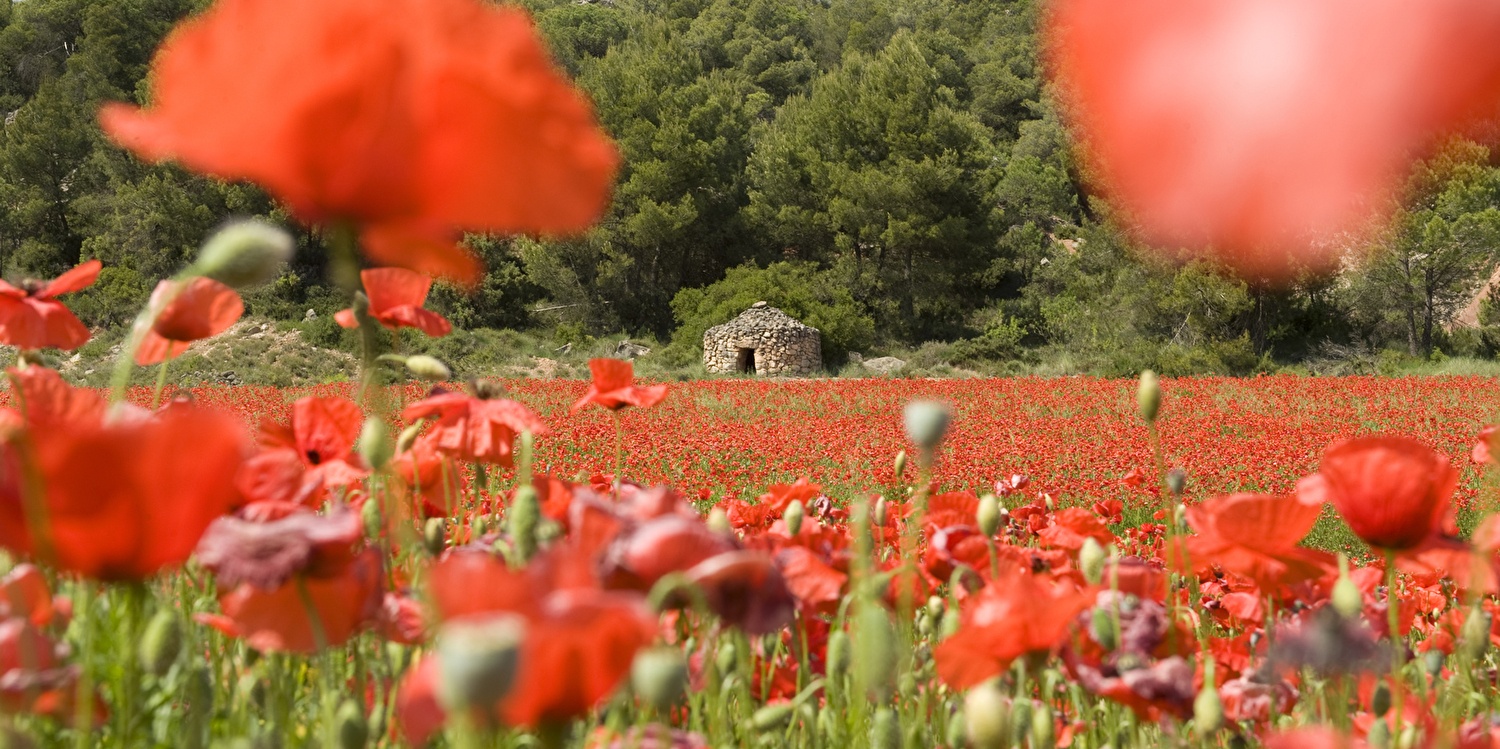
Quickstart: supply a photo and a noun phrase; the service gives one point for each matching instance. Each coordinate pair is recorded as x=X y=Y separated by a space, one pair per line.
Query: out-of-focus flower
x=32 y=318
x=1394 y=492
x=44 y=402
x=267 y=552
x=1482 y=453
x=1255 y=536
x=613 y=387
x=1263 y=131
x=396 y=299
x=122 y=501
x=479 y=429
x=414 y=119
x=653 y=736
x=190 y=311
x=300 y=460
x=1328 y=643
x=1014 y=615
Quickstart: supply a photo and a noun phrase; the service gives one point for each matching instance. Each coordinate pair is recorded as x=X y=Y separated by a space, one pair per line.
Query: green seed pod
x=1410 y=737
x=987 y=717
x=926 y=422
x=1346 y=598
x=1102 y=627
x=477 y=660
x=354 y=728
x=525 y=513
x=1432 y=662
x=718 y=521
x=1380 y=701
x=1475 y=636
x=1043 y=729
x=958 y=730
x=1208 y=710
x=429 y=368
x=161 y=643
x=1091 y=558
x=659 y=677
x=772 y=717
x=988 y=514
x=435 y=536
x=793 y=516
x=950 y=623
x=373 y=518
x=875 y=654
x=547 y=531
x=840 y=654
x=1176 y=481
x=409 y=436
x=936 y=606
x=900 y=464
x=1020 y=721
x=375 y=443
x=877 y=512
x=1179 y=516
x=251 y=691
x=1148 y=396
x=245 y=253
x=1379 y=735
x=477 y=528
x=885 y=730
x=727 y=660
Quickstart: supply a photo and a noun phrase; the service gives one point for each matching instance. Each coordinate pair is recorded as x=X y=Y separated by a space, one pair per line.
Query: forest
x=897 y=174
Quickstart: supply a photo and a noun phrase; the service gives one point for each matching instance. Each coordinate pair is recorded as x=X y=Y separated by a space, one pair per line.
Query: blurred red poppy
x=32 y=318
x=1255 y=536
x=1014 y=615
x=203 y=308
x=305 y=612
x=125 y=500
x=44 y=401
x=434 y=481
x=613 y=387
x=474 y=428
x=396 y=299
x=1394 y=492
x=301 y=460
x=415 y=119
x=1264 y=130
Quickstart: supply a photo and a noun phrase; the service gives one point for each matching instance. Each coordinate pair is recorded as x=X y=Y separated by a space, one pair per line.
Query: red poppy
x=1015 y=615
x=44 y=401
x=578 y=646
x=1481 y=453
x=434 y=480
x=613 y=387
x=415 y=119
x=34 y=677
x=1256 y=536
x=1257 y=128
x=1394 y=492
x=306 y=611
x=125 y=500
x=32 y=318
x=202 y=309
x=483 y=430
x=303 y=459
x=396 y=298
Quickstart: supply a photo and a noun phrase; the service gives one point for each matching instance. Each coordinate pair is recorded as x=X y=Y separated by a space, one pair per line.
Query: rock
x=563 y=349
x=310 y=315
x=628 y=350
x=884 y=364
x=856 y=358
x=75 y=358
x=758 y=305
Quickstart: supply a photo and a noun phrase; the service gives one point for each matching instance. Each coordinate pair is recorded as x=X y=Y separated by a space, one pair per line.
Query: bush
x=816 y=297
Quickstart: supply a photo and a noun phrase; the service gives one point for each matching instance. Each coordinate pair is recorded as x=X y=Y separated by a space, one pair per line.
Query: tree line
x=899 y=171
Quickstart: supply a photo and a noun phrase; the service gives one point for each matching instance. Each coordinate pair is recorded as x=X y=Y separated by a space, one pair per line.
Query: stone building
x=764 y=341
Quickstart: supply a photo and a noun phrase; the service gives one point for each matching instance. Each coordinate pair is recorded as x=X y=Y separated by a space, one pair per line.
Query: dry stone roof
x=765 y=341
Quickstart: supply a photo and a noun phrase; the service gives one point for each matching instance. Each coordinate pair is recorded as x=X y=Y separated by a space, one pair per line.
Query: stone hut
x=764 y=341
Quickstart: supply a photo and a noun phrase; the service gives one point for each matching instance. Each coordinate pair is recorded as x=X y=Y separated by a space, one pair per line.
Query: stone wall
x=780 y=346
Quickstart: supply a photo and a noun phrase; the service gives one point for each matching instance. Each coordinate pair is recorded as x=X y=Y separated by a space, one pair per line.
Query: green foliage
x=816 y=298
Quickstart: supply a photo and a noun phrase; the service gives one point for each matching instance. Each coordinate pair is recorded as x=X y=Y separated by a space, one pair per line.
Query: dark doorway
x=745 y=361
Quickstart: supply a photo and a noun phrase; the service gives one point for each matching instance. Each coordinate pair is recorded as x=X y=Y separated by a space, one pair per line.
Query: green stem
x=161 y=382
x=120 y=380
x=1398 y=654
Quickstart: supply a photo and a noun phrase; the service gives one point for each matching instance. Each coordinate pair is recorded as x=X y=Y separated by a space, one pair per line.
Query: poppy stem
x=119 y=381
x=161 y=382
x=1393 y=624
x=619 y=453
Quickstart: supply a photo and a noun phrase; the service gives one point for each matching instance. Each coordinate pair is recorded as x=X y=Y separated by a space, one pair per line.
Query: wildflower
x=1394 y=492
x=481 y=429
x=32 y=318
x=189 y=311
x=1013 y=616
x=396 y=299
x=299 y=461
x=413 y=119
x=1255 y=536
x=612 y=387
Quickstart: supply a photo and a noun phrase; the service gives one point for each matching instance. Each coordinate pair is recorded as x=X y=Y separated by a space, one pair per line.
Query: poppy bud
x=1379 y=735
x=1408 y=737
x=1432 y=661
x=1345 y=597
x=354 y=729
x=161 y=643
x=548 y=530
x=251 y=691
x=875 y=650
x=435 y=536
x=476 y=528
x=840 y=653
x=926 y=423
x=793 y=515
x=370 y=513
x=957 y=729
x=936 y=606
x=772 y=717
x=1020 y=720
x=375 y=443
x=900 y=464
x=726 y=660
x=1380 y=700
x=1148 y=396
x=1208 y=710
x=949 y=624
x=425 y=367
x=477 y=660
x=409 y=436
x=245 y=253
x=1179 y=515
x=885 y=730
x=988 y=514
x=1091 y=558
x=718 y=521
x=987 y=717
x=659 y=676
x=1176 y=481
x=525 y=513
x=1102 y=627
x=877 y=513
x=1043 y=730
x=1475 y=635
